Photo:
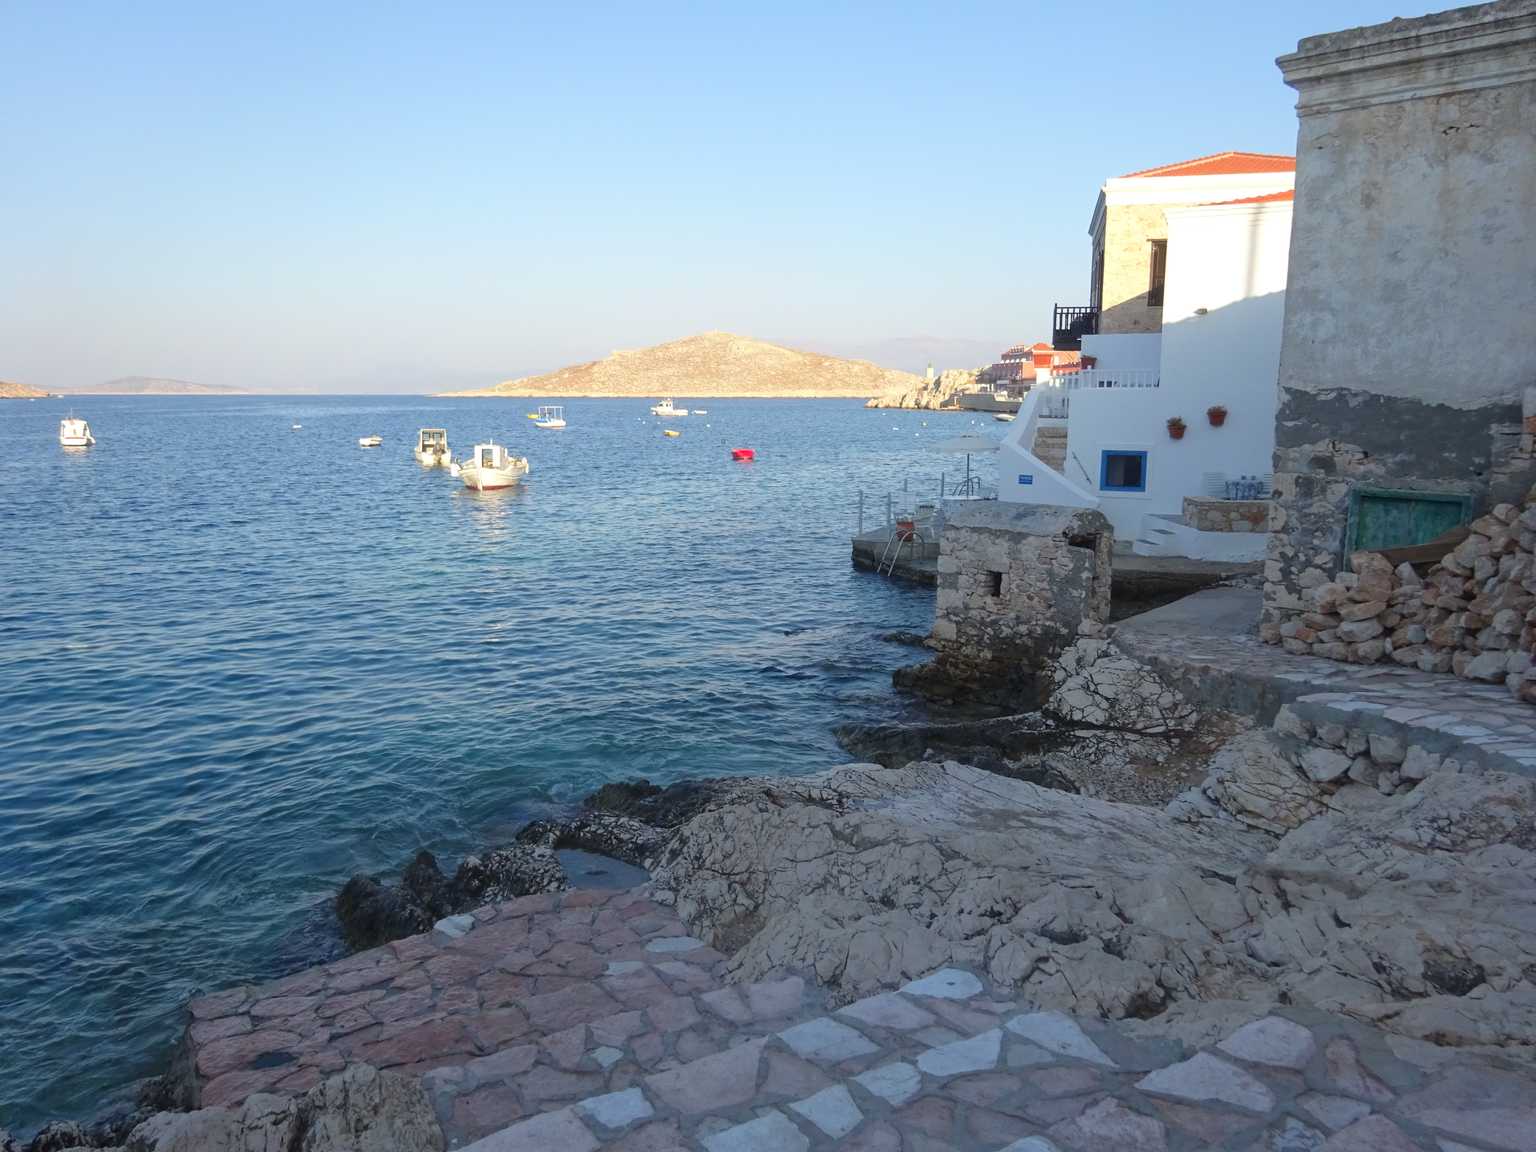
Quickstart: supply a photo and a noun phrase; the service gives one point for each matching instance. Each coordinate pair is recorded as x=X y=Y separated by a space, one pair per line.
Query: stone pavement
x=1208 y=645
x=591 y=1020
x=947 y=1064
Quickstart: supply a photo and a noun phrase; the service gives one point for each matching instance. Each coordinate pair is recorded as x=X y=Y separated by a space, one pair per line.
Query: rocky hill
x=939 y=392
x=11 y=391
x=711 y=364
x=152 y=386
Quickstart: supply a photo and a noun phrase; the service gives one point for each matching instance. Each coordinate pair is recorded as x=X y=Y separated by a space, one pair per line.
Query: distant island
x=712 y=364
x=11 y=391
x=152 y=386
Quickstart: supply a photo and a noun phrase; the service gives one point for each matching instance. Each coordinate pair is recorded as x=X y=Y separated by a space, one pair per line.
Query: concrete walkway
x=1208 y=645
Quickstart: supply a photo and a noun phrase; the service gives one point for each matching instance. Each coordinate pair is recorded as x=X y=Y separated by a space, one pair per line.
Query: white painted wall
x=1125 y=351
x=1231 y=261
x=1022 y=477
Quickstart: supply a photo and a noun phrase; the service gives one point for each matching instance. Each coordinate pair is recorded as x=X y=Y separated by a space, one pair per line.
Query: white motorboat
x=490 y=467
x=296 y=427
x=1005 y=417
x=665 y=408
x=75 y=433
x=369 y=441
x=700 y=412
x=550 y=416
x=432 y=447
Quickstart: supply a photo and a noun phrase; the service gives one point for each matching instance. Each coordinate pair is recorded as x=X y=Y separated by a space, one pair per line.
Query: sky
x=373 y=197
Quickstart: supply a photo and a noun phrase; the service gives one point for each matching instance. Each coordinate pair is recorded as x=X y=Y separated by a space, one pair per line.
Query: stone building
x=1408 y=356
x=1015 y=583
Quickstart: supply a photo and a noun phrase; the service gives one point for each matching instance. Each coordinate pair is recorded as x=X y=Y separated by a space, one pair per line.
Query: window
x=1123 y=472
x=996 y=583
x=1158 y=273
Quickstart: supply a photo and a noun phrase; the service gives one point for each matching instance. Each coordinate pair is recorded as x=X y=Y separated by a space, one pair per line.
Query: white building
x=1188 y=297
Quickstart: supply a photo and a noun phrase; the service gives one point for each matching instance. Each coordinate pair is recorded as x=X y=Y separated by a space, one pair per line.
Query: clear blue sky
x=389 y=196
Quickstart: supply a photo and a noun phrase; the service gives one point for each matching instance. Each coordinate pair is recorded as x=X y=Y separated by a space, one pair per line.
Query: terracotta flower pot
x=1176 y=430
x=1217 y=416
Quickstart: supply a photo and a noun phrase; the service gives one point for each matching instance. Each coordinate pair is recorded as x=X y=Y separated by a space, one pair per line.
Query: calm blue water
x=240 y=663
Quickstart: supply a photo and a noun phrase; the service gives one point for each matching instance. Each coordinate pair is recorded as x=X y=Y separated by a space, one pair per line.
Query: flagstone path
x=592 y=1020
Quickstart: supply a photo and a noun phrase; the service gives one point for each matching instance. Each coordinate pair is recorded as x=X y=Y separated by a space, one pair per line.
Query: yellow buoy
x=671 y=432
x=531 y=415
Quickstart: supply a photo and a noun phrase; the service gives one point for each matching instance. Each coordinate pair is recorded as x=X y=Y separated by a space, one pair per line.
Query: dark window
x=1123 y=472
x=1158 y=274
x=996 y=587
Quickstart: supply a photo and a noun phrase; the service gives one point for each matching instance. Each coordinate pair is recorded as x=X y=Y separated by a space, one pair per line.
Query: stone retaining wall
x=1474 y=614
x=1226 y=515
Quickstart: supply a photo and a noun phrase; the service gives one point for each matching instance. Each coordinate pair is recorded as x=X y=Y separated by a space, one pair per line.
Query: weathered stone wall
x=1129 y=230
x=1015 y=581
x=1226 y=515
x=1415 y=188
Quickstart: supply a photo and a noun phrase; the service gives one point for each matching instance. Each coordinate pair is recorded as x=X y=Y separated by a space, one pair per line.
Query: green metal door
x=1391 y=518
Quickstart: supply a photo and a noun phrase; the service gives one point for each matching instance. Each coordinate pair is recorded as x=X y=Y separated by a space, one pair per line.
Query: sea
x=241 y=660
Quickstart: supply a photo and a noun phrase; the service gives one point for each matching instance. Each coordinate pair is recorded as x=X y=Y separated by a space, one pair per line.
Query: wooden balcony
x=1070 y=325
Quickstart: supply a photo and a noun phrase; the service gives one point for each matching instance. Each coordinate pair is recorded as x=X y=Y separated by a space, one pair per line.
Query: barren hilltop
x=12 y=391
x=710 y=364
x=152 y=386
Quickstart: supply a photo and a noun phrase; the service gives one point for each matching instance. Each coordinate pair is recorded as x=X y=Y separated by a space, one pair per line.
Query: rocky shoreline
x=1123 y=853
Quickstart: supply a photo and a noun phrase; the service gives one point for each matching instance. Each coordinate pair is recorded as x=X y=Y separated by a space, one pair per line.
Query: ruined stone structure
x=1015 y=582
x=1412 y=245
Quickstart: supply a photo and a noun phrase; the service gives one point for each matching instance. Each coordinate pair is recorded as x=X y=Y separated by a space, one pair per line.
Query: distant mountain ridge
x=711 y=364
x=12 y=391
x=153 y=386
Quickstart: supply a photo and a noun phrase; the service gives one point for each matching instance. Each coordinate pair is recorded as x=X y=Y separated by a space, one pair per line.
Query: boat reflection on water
x=493 y=512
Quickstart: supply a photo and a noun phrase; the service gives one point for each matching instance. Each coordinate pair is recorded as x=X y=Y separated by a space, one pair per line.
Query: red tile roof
x=1222 y=164
x=1267 y=198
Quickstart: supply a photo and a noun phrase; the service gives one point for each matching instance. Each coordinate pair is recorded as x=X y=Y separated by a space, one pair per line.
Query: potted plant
x=1176 y=428
x=1217 y=415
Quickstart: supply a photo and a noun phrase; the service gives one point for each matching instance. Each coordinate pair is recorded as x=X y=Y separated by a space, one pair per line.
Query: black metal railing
x=1070 y=325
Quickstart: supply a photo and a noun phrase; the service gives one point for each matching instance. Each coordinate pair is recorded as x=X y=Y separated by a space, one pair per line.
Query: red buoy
x=743 y=454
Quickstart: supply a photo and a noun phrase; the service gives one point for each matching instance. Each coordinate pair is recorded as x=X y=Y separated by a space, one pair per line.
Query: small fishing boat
x=75 y=433
x=432 y=447
x=369 y=441
x=743 y=454
x=700 y=412
x=296 y=427
x=670 y=432
x=666 y=408
x=550 y=416
x=1005 y=417
x=489 y=468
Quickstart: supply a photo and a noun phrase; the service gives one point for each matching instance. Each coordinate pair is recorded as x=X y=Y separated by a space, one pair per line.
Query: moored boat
x=75 y=433
x=667 y=408
x=432 y=447
x=1005 y=417
x=550 y=416
x=369 y=441
x=490 y=467
x=670 y=432
x=743 y=454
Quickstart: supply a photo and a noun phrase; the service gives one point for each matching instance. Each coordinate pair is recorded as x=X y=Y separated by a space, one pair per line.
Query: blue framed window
x=1122 y=471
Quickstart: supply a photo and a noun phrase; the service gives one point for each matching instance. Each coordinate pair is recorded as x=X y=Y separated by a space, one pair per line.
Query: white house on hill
x=1187 y=299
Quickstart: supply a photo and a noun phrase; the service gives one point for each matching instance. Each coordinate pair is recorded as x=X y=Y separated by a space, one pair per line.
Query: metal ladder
x=890 y=555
